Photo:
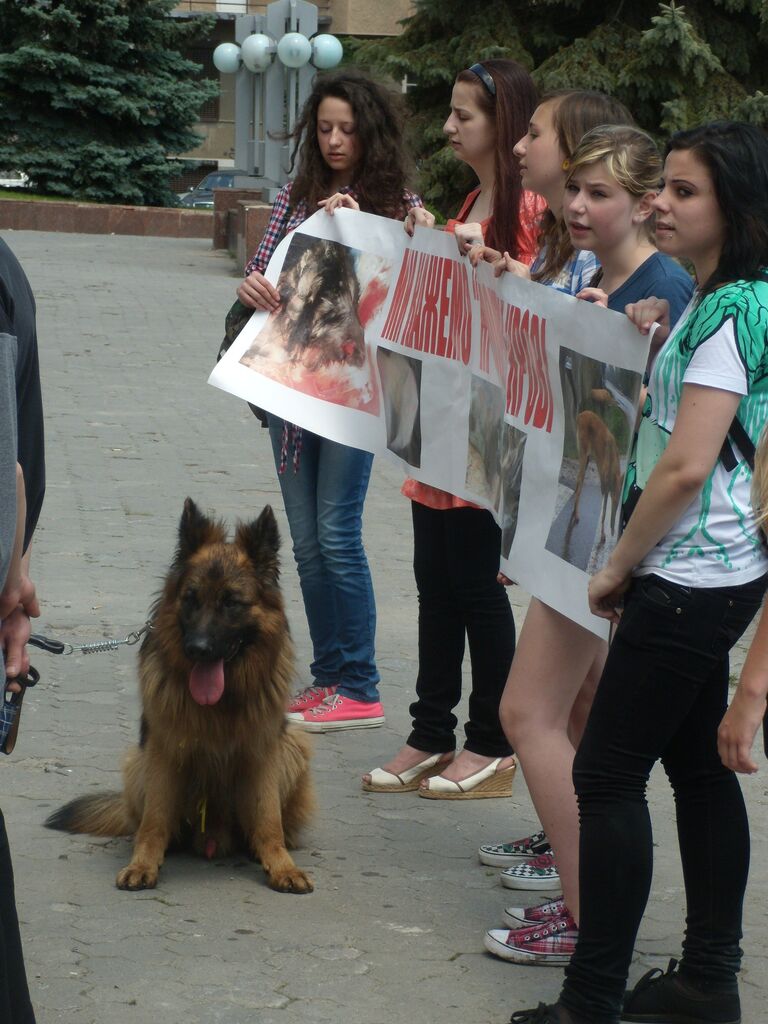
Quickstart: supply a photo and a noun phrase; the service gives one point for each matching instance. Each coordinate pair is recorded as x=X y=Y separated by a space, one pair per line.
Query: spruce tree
x=95 y=96
x=673 y=65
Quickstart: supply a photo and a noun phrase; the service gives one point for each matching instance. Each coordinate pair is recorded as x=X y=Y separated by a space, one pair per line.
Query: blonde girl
x=611 y=181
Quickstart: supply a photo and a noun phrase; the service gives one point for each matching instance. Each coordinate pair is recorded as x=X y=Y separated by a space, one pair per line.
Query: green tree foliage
x=95 y=95
x=674 y=66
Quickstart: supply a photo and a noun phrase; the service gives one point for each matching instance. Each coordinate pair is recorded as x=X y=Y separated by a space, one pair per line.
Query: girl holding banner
x=349 y=140
x=553 y=133
x=457 y=545
x=611 y=181
x=689 y=573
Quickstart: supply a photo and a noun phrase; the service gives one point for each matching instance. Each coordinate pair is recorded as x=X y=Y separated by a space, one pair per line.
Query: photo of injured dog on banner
x=504 y=392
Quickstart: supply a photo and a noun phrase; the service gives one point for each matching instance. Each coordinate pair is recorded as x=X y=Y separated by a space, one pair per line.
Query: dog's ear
x=260 y=540
x=195 y=530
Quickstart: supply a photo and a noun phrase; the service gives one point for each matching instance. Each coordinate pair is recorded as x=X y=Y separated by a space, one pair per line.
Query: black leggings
x=15 y=1006
x=455 y=561
x=662 y=695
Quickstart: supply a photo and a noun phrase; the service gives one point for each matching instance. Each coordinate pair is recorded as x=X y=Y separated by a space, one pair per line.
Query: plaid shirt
x=284 y=219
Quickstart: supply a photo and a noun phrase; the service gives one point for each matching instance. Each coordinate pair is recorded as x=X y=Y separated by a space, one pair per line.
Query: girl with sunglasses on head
x=456 y=544
x=610 y=186
x=689 y=572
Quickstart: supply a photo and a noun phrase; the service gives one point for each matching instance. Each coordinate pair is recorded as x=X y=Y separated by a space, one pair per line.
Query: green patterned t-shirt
x=721 y=342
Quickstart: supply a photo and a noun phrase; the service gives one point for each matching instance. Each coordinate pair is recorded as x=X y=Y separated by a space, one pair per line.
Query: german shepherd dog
x=319 y=291
x=216 y=767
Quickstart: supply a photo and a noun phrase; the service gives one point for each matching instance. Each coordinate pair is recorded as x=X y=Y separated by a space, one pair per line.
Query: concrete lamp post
x=274 y=59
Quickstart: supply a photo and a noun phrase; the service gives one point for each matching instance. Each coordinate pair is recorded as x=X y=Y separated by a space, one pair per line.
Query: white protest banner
x=503 y=392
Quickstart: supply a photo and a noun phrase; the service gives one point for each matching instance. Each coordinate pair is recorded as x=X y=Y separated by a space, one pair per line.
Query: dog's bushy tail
x=103 y=814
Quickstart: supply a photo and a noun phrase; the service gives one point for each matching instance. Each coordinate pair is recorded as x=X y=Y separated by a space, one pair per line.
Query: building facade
x=365 y=18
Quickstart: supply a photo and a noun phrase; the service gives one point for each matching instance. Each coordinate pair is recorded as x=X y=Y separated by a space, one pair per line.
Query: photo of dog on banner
x=315 y=342
x=599 y=404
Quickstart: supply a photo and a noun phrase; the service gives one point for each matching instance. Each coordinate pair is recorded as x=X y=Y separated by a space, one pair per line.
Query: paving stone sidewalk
x=128 y=329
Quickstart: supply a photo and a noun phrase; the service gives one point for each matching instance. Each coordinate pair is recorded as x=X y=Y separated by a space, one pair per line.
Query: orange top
x=531 y=208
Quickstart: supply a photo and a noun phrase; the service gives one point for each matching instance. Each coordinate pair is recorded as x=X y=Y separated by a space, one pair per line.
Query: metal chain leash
x=45 y=643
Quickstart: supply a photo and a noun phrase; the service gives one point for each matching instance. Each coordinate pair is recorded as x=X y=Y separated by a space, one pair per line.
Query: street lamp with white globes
x=274 y=59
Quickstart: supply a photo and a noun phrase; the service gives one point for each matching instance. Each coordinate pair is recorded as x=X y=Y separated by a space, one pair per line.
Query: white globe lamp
x=327 y=51
x=257 y=52
x=294 y=50
x=226 y=57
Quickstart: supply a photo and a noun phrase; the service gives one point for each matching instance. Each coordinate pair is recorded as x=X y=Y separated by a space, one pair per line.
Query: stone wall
x=102 y=219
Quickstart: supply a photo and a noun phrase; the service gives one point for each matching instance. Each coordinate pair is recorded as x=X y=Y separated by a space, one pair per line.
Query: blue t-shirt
x=659 y=276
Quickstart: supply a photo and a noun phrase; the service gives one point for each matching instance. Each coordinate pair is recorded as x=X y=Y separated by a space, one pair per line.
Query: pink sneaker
x=308 y=698
x=549 y=943
x=338 y=712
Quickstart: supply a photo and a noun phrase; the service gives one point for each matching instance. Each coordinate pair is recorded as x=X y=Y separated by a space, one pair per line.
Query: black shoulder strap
x=738 y=437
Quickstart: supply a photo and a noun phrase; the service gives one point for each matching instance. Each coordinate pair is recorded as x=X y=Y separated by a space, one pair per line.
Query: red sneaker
x=523 y=917
x=552 y=942
x=338 y=712
x=308 y=698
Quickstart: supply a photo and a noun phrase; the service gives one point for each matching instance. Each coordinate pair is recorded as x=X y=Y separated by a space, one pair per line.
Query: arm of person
x=418 y=216
x=256 y=292
x=468 y=235
x=595 y=295
x=702 y=422
x=337 y=200
x=18 y=600
x=745 y=714
x=506 y=264
x=647 y=312
x=483 y=254
x=11 y=592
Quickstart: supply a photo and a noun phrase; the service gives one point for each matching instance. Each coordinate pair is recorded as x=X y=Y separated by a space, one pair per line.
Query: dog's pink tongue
x=206 y=682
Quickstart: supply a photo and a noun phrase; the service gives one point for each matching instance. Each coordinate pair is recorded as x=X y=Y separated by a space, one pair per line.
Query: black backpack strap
x=737 y=437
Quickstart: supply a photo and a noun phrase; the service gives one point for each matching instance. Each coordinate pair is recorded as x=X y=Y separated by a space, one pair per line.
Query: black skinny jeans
x=15 y=1006
x=662 y=695
x=455 y=561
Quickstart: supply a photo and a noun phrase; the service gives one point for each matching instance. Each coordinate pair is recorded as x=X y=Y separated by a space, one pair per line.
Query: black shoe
x=543 y=1014
x=662 y=997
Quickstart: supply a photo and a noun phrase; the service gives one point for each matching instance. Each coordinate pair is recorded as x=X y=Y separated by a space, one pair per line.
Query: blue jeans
x=662 y=695
x=324 y=505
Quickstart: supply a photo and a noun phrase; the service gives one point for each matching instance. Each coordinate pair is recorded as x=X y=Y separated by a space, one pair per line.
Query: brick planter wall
x=28 y=215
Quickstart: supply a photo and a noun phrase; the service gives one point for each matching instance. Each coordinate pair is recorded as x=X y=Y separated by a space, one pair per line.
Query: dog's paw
x=135 y=877
x=293 y=880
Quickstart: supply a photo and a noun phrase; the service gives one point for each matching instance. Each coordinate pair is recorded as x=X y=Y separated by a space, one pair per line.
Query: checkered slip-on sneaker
x=504 y=855
x=538 y=873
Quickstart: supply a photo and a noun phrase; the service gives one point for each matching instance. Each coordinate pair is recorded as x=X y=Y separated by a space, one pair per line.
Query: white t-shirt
x=721 y=342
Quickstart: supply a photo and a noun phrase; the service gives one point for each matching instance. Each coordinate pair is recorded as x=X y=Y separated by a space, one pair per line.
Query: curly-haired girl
x=348 y=142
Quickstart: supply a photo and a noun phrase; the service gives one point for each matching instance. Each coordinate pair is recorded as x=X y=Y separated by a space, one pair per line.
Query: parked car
x=13 y=179
x=201 y=196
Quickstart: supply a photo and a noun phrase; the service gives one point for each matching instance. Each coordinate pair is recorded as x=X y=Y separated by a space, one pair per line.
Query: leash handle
x=45 y=643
